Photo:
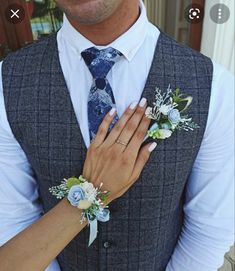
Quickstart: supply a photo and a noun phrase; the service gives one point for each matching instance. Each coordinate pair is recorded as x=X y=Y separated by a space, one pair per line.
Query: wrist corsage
x=83 y=195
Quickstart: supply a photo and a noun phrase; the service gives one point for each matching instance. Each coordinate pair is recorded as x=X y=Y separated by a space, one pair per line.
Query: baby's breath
x=60 y=191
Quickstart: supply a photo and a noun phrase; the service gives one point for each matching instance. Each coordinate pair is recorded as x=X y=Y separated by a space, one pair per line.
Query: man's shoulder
x=33 y=50
x=185 y=59
x=181 y=50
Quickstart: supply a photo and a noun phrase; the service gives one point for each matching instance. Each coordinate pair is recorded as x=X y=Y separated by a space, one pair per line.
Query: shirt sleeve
x=208 y=229
x=19 y=204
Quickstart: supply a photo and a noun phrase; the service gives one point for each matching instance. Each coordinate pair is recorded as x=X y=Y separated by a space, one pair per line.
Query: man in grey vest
x=177 y=215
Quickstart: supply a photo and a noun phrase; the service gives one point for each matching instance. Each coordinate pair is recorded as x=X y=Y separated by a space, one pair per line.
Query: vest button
x=106 y=244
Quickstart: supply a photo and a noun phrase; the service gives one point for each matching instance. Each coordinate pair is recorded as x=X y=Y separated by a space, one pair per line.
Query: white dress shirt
x=209 y=208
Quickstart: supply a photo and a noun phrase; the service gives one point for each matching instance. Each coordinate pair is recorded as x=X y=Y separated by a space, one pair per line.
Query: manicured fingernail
x=142 y=102
x=152 y=146
x=112 y=111
x=133 y=105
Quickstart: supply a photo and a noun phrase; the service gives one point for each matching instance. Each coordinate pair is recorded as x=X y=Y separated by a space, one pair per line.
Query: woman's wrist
x=66 y=207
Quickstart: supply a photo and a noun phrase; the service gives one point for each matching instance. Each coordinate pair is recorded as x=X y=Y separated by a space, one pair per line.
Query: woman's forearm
x=35 y=247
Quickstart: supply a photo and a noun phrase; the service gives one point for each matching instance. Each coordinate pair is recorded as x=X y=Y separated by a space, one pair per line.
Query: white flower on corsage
x=167 y=113
x=90 y=191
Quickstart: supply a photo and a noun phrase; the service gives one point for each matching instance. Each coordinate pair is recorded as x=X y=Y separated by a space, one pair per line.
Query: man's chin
x=88 y=12
x=85 y=20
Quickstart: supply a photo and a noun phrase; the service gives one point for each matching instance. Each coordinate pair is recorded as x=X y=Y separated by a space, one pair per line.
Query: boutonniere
x=168 y=113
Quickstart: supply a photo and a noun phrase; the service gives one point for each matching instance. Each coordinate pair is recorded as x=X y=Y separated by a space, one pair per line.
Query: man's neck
x=107 y=31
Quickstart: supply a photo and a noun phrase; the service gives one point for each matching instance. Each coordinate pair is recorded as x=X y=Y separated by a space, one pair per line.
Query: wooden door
x=196 y=29
x=14 y=36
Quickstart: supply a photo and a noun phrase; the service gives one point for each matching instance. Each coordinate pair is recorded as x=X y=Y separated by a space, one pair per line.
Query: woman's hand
x=115 y=165
x=109 y=161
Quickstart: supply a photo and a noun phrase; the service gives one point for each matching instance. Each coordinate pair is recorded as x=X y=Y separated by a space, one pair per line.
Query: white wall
x=218 y=43
x=218 y=39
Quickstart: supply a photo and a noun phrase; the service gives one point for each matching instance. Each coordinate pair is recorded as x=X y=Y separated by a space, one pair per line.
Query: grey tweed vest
x=146 y=221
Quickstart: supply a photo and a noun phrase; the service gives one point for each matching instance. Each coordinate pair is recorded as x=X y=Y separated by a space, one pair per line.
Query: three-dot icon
x=220 y=13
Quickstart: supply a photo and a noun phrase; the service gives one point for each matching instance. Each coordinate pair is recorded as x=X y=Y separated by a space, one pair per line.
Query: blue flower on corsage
x=103 y=215
x=167 y=113
x=76 y=193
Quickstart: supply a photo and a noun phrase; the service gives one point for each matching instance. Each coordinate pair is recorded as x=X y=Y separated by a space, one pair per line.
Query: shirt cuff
x=54 y=266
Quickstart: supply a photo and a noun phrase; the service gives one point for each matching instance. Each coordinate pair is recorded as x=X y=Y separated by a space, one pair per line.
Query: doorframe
x=195 y=36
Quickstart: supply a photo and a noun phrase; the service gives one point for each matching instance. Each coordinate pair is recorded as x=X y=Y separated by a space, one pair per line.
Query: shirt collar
x=128 y=43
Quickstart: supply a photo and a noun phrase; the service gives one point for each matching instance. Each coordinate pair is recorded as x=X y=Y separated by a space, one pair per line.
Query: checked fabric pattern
x=101 y=99
x=147 y=220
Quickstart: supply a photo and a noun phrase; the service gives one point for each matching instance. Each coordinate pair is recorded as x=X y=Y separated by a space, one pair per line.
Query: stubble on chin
x=88 y=12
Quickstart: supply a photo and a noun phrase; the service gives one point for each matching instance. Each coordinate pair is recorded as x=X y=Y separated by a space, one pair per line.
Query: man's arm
x=208 y=229
x=19 y=205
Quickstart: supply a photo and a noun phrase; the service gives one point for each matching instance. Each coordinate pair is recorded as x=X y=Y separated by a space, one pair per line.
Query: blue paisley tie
x=101 y=99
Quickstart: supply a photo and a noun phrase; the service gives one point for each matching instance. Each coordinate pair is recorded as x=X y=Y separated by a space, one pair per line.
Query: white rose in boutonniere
x=163 y=133
x=167 y=112
x=164 y=109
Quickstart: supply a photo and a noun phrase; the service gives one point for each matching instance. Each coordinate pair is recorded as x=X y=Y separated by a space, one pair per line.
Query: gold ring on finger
x=118 y=141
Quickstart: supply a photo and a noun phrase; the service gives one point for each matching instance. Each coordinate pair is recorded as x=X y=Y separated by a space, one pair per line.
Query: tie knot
x=100 y=62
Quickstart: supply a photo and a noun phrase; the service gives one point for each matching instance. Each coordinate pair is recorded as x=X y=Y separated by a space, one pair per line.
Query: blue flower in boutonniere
x=167 y=113
x=174 y=116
